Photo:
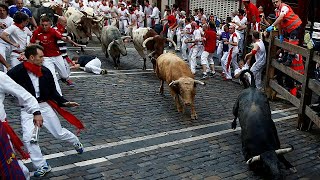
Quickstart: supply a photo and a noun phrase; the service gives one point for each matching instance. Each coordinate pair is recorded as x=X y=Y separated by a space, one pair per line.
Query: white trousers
x=52 y=123
x=193 y=59
x=170 y=35
x=93 y=66
x=5 y=51
x=149 y=22
x=241 y=43
x=256 y=69
x=220 y=51
x=53 y=63
x=224 y=62
x=207 y=59
x=156 y=21
x=184 y=48
x=123 y=26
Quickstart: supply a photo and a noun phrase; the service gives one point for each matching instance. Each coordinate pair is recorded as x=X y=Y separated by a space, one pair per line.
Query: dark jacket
x=47 y=86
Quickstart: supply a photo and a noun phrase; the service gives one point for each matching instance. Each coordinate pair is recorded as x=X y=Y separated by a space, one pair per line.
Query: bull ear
x=174 y=83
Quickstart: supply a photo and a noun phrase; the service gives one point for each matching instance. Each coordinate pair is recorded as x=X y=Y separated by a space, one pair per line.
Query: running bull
x=147 y=38
x=112 y=44
x=83 y=24
x=260 y=141
x=173 y=70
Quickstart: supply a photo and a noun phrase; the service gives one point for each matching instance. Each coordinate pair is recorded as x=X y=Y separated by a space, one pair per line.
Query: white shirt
x=155 y=13
x=123 y=13
x=8 y=21
x=187 y=29
x=103 y=9
x=148 y=10
x=7 y=85
x=35 y=83
x=233 y=39
x=239 y=70
x=19 y=36
x=242 y=22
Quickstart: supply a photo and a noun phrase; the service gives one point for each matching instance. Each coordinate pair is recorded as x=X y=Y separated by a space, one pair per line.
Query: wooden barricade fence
x=309 y=85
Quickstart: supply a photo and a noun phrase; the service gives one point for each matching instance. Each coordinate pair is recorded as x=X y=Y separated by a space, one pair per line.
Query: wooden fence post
x=272 y=51
x=303 y=119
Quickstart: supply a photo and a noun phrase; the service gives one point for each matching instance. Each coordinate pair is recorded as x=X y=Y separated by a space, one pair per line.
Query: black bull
x=38 y=12
x=260 y=141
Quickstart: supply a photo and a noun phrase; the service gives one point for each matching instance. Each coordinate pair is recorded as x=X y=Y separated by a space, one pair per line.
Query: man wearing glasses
x=289 y=26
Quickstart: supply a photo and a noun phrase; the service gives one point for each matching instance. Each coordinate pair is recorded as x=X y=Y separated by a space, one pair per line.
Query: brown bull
x=177 y=74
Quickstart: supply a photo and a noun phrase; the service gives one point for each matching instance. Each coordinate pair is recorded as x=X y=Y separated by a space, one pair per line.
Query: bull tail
x=245 y=80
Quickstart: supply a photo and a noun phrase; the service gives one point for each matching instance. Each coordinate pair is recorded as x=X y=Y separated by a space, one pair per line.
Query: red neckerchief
x=19 y=26
x=35 y=69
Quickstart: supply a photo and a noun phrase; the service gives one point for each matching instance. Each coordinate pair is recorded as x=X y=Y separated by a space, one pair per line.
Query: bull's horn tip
x=249 y=161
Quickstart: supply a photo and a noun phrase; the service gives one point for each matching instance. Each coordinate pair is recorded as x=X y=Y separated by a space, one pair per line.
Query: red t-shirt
x=252 y=10
x=171 y=20
x=210 y=43
x=48 y=40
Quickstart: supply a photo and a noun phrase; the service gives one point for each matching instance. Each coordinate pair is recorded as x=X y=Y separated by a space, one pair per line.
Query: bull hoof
x=180 y=109
x=194 y=117
x=144 y=68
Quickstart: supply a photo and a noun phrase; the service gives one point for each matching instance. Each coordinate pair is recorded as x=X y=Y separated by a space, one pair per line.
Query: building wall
x=219 y=8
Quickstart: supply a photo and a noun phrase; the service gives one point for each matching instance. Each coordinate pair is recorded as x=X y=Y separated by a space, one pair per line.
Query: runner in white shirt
x=230 y=57
x=186 y=34
x=5 y=22
x=259 y=52
x=18 y=35
x=133 y=21
x=103 y=8
x=155 y=16
x=140 y=16
x=123 y=19
x=148 y=12
x=113 y=11
x=195 y=47
x=240 y=20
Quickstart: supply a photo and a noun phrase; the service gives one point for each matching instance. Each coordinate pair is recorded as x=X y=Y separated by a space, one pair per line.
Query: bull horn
x=151 y=54
x=125 y=37
x=175 y=46
x=42 y=15
x=285 y=150
x=173 y=83
x=199 y=82
x=145 y=41
x=253 y=159
x=97 y=19
x=57 y=15
x=109 y=47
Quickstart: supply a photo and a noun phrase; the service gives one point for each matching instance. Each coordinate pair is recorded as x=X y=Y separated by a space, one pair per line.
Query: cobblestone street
x=133 y=132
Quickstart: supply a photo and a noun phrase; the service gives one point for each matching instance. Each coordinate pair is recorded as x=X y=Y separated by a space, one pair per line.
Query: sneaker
x=212 y=74
x=78 y=147
x=69 y=83
x=42 y=171
x=205 y=76
x=103 y=71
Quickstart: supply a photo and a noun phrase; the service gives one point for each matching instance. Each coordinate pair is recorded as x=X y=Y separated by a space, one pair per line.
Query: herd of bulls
x=260 y=142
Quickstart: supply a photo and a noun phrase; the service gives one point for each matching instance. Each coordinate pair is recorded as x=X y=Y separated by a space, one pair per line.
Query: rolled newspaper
x=35 y=135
